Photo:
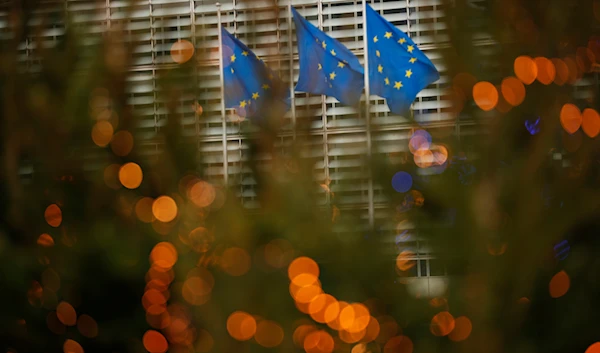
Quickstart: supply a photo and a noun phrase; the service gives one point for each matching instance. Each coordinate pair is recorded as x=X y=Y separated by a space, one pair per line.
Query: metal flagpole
x=291 y=49
x=368 y=116
x=411 y=111
x=224 y=122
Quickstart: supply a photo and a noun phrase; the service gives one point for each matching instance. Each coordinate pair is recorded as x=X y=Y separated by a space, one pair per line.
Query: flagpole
x=291 y=49
x=368 y=117
x=411 y=111
x=323 y=111
x=224 y=122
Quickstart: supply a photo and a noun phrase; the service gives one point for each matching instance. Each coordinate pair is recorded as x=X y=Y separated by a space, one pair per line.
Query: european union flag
x=398 y=70
x=326 y=66
x=249 y=83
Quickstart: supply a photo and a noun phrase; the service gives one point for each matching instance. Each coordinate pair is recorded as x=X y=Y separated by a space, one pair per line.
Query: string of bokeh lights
x=334 y=322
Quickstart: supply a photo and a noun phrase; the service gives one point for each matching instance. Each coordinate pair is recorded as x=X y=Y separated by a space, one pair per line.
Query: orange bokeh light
x=300 y=334
x=53 y=215
x=268 y=334
x=164 y=209
x=305 y=295
x=354 y=318
x=398 y=344
x=153 y=297
x=318 y=342
x=45 y=240
x=122 y=143
x=202 y=194
x=324 y=308
x=158 y=319
x=130 y=175
x=35 y=293
x=405 y=260
x=590 y=122
x=574 y=73
x=87 y=326
x=485 y=95
x=423 y=158
x=302 y=265
x=559 y=284
x=593 y=348
x=304 y=279
x=66 y=314
x=335 y=323
x=71 y=346
x=418 y=142
x=525 y=69
x=143 y=209
x=235 y=261
x=163 y=256
x=442 y=324
x=351 y=337
x=182 y=51
x=155 y=342
x=570 y=118
x=317 y=304
x=241 y=326
x=513 y=91
x=111 y=176
x=585 y=59
x=562 y=71
x=200 y=281
x=462 y=329
x=200 y=239
x=372 y=330
x=440 y=154
x=546 y=70
x=102 y=133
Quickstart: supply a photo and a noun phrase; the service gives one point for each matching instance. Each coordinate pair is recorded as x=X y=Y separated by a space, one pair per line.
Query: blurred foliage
x=492 y=218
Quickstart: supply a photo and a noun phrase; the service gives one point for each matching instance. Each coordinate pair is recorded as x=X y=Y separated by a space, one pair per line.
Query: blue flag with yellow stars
x=249 y=83
x=326 y=66
x=398 y=70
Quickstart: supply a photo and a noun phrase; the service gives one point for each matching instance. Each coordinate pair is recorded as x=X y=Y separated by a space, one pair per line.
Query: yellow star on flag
x=332 y=52
x=255 y=95
x=380 y=68
x=242 y=104
x=408 y=73
x=324 y=45
x=388 y=35
x=377 y=53
x=245 y=53
x=410 y=48
x=412 y=60
x=265 y=87
x=375 y=39
x=232 y=70
x=232 y=58
x=398 y=84
x=341 y=65
x=332 y=75
x=320 y=67
x=387 y=81
x=402 y=41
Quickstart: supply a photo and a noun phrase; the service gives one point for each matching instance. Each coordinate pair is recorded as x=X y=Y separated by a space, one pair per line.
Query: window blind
x=336 y=135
